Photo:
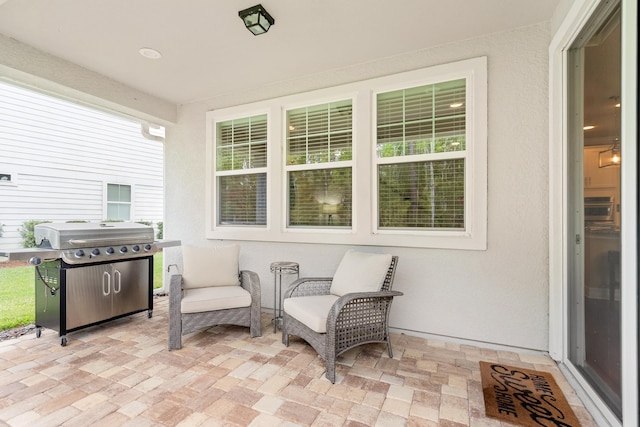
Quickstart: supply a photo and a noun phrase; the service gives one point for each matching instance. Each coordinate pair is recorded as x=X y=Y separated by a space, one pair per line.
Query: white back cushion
x=360 y=272
x=210 y=266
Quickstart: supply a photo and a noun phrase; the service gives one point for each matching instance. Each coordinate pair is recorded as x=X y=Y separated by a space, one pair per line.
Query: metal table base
x=278 y=269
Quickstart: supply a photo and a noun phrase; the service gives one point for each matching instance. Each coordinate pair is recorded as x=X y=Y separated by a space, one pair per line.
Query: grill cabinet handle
x=108 y=282
x=117 y=283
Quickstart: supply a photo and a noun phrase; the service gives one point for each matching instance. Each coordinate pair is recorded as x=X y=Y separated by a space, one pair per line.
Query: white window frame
x=215 y=230
x=106 y=199
x=475 y=177
x=364 y=164
x=329 y=165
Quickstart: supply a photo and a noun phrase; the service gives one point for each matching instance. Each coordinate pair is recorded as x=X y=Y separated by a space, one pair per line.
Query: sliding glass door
x=594 y=159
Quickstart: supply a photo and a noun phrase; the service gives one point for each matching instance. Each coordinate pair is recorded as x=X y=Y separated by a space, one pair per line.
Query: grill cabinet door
x=89 y=292
x=131 y=286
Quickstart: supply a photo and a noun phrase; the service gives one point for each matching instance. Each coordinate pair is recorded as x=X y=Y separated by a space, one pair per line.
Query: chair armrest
x=250 y=281
x=356 y=297
x=309 y=286
x=357 y=318
x=175 y=292
x=175 y=283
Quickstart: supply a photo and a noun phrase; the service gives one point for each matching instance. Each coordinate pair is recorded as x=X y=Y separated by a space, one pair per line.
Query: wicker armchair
x=193 y=309
x=353 y=319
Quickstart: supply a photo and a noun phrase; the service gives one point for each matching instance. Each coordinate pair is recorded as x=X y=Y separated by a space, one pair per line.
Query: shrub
x=160 y=230
x=26 y=232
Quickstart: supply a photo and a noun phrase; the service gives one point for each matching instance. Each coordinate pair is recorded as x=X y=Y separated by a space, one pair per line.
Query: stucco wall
x=496 y=296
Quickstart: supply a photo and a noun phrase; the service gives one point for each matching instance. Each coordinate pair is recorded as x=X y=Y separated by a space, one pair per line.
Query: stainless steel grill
x=90 y=273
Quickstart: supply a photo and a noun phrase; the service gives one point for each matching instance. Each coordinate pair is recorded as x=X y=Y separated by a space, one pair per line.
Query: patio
x=121 y=373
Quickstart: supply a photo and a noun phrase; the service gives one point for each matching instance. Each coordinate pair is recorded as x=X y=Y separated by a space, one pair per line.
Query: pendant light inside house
x=256 y=19
x=611 y=156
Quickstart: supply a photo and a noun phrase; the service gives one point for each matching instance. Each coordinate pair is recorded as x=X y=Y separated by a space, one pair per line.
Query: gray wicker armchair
x=353 y=319
x=192 y=308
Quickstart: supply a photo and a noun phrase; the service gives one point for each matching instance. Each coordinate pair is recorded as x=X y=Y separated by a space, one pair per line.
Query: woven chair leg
x=175 y=317
x=331 y=367
x=389 y=347
x=256 y=331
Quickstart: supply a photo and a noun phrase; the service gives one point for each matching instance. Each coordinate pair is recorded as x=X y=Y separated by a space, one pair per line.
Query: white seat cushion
x=214 y=298
x=210 y=266
x=360 y=272
x=311 y=311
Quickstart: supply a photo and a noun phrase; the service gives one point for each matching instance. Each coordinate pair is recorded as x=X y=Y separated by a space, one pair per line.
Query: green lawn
x=17 y=304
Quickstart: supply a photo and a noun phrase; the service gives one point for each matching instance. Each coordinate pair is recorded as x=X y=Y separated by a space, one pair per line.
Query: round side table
x=278 y=269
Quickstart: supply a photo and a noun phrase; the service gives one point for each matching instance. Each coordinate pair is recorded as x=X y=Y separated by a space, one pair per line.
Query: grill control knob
x=79 y=253
x=135 y=248
x=95 y=252
x=110 y=251
x=123 y=250
x=147 y=247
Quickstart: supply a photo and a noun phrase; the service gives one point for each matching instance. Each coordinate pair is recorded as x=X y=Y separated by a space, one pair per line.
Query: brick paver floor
x=121 y=374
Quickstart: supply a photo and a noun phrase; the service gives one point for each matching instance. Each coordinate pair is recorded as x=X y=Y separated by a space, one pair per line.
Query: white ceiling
x=207 y=52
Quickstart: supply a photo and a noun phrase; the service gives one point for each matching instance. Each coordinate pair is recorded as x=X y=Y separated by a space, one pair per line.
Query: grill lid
x=70 y=235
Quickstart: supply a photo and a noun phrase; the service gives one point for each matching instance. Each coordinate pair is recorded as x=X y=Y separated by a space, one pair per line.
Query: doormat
x=524 y=397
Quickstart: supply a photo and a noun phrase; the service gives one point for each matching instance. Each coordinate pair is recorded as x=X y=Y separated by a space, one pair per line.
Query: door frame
x=575 y=19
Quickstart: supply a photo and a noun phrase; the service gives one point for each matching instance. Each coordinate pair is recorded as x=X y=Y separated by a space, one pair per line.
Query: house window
x=118 y=202
x=399 y=160
x=421 y=156
x=318 y=165
x=241 y=171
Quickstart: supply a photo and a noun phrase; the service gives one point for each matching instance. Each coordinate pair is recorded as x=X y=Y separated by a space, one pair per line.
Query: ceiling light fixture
x=589 y=127
x=150 y=53
x=256 y=19
x=611 y=156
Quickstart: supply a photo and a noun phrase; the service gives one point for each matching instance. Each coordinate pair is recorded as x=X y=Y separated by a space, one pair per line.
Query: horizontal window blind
x=241 y=179
x=422 y=120
x=320 y=198
x=320 y=133
x=242 y=143
x=427 y=195
x=242 y=199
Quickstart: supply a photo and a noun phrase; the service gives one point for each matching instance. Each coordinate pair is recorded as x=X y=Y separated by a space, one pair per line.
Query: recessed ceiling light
x=618 y=105
x=150 y=53
x=588 y=127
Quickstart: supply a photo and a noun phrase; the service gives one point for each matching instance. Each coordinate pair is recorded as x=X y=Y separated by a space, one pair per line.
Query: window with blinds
x=319 y=165
x=399 y=160
x=421 y=157
x=241 y=171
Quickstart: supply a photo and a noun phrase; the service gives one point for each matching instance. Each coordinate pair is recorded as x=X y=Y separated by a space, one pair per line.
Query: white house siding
x=61 y=156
